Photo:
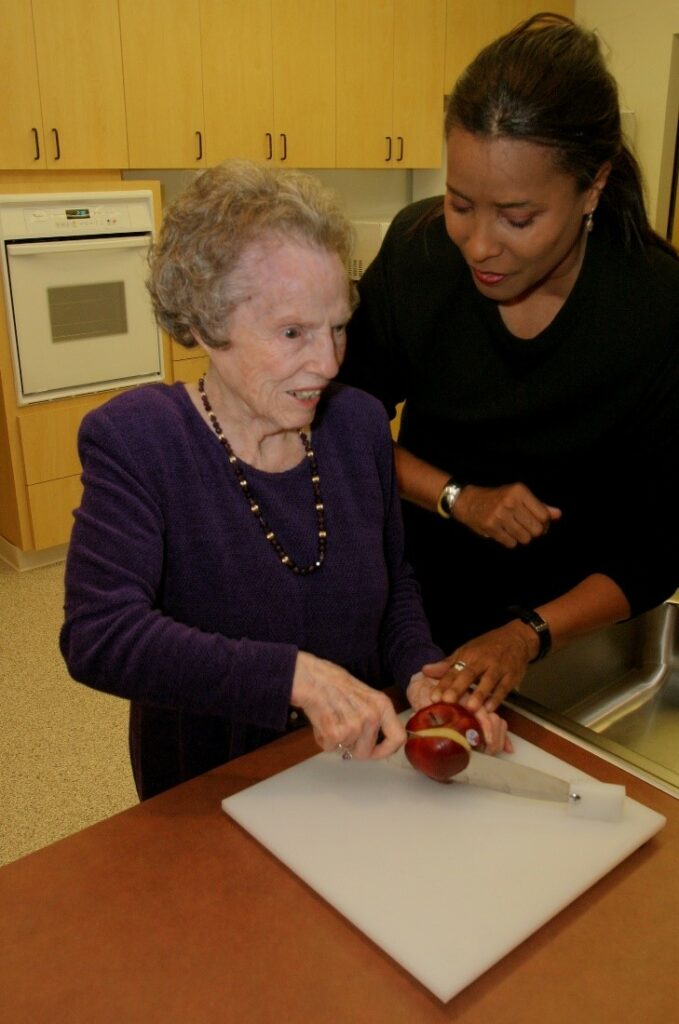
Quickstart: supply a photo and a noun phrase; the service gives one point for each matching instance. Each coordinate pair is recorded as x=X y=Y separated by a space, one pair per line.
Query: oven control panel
x=51 y=216
x=75 y=220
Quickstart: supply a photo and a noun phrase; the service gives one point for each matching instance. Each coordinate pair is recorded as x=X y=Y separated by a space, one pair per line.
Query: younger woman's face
x=517 y=219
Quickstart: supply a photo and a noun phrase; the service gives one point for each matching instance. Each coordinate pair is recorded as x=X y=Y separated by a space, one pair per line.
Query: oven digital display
x=78 y=214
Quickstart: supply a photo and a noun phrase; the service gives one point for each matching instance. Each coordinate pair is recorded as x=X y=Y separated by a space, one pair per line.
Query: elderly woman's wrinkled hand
x=423 y=691
x=344 y=713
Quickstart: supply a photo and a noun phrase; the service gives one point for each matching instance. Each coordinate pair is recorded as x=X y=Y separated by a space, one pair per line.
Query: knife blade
x=517 y=779
x=586 y=798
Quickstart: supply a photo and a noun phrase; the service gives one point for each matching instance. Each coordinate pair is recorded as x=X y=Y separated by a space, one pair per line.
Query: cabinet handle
x=269 y=145
x=284 y=155
x=36 y=139
x=388 y=156
x=200 y=145
x=57 y=147
x=400 y=148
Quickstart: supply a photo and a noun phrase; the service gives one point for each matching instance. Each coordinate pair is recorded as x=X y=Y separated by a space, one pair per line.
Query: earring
x=589 y=222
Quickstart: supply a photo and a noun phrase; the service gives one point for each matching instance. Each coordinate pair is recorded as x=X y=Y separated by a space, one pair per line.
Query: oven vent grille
x=368 y=235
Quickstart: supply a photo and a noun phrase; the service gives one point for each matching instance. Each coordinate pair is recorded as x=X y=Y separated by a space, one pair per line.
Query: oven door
x=82 y=317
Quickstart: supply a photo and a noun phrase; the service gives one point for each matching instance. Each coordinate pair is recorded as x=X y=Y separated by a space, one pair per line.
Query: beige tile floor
x=63 y=747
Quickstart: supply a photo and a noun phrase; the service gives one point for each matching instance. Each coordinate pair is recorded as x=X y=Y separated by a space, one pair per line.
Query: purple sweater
x=175 y=599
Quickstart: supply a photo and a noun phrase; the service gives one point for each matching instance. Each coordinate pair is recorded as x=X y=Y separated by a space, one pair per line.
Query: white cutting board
x=378 y=841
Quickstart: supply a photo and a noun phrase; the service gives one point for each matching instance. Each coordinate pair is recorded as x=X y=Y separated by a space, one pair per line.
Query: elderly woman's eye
x=292 y=332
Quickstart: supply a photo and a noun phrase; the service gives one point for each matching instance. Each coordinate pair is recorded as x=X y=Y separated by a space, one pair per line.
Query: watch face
x=450 y=493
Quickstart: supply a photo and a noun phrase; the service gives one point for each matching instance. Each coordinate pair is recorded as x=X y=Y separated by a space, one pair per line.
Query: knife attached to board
x=584 y=797
x=445 y=743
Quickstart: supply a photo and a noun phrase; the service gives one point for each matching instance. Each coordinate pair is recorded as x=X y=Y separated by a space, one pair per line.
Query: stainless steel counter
x=617 y=689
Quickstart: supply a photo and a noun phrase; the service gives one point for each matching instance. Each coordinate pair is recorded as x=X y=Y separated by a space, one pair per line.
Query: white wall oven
x=79 y=315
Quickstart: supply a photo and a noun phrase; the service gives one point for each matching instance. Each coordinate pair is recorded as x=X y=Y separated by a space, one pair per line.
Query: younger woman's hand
x=423 y=691
x=492 y=664
x=509 y=515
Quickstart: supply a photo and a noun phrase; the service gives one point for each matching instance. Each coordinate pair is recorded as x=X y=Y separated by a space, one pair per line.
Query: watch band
x=538 y=624
x=447 y=498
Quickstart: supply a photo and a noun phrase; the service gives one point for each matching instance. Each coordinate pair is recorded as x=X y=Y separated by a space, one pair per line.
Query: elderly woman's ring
x=459 y=665
x=344 y=751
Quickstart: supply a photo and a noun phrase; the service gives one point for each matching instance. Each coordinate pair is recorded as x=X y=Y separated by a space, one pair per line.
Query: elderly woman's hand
x=510 y=514
x=342 y=710
x=423 y=691
x=493 y=663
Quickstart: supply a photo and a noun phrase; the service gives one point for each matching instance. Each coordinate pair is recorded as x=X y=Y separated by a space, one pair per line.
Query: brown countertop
x=170 y=912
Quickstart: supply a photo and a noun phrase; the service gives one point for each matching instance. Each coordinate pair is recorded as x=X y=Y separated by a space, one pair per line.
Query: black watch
x=538 y=624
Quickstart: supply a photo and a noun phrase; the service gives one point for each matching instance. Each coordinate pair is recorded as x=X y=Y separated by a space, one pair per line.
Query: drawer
x=189 y=370
x=49 y=436
x=51 y=506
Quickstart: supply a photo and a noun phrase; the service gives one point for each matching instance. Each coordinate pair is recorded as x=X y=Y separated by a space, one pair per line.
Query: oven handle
x=77 y=245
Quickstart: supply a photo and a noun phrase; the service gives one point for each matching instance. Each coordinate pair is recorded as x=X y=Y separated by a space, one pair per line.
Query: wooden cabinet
x=210 y=79
x=162 y=69
x=81 y=83
x=62 y=85
x=304 y=82
x=21 y=139
x=418 y=82
x=190 y=370
x=471 y=26
x=238 y=78
x=269 y=80
x=390 y=85
x=311 y=83
x=188 y=364
x=48 y=437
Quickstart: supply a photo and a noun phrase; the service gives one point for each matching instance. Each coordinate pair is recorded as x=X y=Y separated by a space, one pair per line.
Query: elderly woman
x=236 y=564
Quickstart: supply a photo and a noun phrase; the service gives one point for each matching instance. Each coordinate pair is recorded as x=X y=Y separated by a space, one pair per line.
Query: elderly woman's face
x=516 y=218
x=287 y=337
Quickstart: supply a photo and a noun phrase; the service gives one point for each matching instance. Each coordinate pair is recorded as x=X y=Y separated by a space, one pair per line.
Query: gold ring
x=459 y=665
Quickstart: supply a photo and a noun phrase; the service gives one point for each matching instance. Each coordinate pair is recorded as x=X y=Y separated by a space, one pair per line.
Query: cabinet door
x=51 y=506
x=81 y=83
x=21 y=142
x=237 y=79
x=365 y=70
x=163 y=82
x=419 y=45
x=471 y=25
x=304 y=82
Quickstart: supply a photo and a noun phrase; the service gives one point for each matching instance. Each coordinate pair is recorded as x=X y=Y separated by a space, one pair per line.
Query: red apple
x=440 y=738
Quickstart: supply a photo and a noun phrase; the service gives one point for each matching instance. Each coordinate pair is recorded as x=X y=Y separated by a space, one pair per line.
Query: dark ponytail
x=546 y=82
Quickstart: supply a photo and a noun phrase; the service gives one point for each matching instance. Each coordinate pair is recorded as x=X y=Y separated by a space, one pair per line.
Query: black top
x=586 y=414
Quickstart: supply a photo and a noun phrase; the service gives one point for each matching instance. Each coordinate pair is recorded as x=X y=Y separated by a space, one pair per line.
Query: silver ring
x=459 y=665
x=344 y=751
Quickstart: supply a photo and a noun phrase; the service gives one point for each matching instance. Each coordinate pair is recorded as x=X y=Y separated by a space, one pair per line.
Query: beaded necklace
x=285 y=559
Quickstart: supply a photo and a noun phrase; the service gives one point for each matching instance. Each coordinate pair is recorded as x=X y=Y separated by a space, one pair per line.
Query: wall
x=644 y=57
x=366 y=194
